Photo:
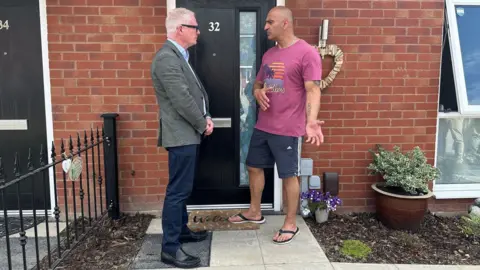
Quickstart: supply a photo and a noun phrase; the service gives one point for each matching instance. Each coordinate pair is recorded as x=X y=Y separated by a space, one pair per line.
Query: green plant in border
x=409 y=171
x=470 y=226
x=356 y=249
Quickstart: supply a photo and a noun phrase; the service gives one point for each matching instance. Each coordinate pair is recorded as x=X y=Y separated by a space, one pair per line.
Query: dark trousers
x=182 y=162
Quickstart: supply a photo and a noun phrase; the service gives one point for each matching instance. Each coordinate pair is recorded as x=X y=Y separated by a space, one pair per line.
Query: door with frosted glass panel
x=22 y=106
x=226 y=58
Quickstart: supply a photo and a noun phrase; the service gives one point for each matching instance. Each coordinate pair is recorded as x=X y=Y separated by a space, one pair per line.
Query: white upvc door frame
x=42 y=6
x=47 y=92
x=278 y=185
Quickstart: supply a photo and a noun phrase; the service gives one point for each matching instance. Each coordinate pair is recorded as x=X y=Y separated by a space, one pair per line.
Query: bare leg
x=293 y=196
x=257 y=183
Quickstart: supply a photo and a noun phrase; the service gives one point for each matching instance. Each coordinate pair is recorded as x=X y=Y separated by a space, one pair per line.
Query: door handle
x=222 y=122
x=17 y=124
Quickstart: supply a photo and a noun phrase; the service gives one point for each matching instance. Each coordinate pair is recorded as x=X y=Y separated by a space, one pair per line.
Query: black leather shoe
x=181 y=259
x=193 y=236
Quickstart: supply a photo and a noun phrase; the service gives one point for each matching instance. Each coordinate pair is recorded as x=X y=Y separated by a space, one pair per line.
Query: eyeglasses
x=192 y=26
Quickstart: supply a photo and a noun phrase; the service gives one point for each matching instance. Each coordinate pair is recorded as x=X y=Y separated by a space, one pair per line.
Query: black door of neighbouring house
x=22 y=103
x=227 y=57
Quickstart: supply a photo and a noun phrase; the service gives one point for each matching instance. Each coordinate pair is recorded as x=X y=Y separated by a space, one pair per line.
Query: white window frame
x=453 y=191
x=457 y=61
x=457 y=191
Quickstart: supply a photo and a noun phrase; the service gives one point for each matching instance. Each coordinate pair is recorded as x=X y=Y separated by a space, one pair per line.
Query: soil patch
x=438 y=241
x=112 y=244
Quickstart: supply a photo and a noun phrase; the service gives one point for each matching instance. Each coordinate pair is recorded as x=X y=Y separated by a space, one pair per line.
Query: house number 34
x=214 y=26
x=4 y=25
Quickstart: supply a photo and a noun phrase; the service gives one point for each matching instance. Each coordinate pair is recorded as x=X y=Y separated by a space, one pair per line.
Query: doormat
x=150 y=253
x=217 y=220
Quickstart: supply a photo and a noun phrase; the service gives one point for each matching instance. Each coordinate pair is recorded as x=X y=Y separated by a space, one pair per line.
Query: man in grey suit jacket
x=184 y=119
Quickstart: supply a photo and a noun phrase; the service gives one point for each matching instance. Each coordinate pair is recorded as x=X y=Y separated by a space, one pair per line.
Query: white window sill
x=456 y=191
x=457 y=115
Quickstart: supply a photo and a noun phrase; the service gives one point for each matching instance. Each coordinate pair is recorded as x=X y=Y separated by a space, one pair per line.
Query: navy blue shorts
x=266 y=149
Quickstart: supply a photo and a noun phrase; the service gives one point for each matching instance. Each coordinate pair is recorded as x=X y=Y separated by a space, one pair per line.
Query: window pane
x=248 y=22
x=468 y=31
x=458 y=153
x=448 y=95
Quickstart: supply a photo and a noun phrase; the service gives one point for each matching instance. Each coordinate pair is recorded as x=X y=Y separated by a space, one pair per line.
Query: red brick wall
x=387 y=91
x=100 y=55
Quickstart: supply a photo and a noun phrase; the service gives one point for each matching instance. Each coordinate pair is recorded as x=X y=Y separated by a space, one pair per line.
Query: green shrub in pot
x=408 y=172
x=402 y=197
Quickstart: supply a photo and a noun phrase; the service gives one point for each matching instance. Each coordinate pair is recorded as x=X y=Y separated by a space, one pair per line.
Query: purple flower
x=318 y=200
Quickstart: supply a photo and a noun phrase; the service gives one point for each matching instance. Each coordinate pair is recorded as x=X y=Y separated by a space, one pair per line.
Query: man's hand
x=261 y=97
x=209 y=129
x=314 y=132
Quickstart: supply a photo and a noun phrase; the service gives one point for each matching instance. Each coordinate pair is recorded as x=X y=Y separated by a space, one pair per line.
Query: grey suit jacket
x=180 y=97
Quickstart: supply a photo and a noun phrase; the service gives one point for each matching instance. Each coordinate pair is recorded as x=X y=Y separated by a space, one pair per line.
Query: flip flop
x=246 y=220
x=294 y=233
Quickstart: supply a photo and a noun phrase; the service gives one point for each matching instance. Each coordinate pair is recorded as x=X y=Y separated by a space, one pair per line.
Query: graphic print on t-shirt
x=274 y=76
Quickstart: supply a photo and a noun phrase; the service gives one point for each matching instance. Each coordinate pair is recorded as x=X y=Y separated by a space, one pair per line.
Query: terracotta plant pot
x=400 y=212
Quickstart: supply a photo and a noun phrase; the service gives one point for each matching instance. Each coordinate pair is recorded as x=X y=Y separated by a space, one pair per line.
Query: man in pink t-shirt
x=287 y=89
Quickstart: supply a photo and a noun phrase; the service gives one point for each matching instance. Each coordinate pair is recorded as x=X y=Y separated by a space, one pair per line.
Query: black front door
x=22 y=102
x=227 y=57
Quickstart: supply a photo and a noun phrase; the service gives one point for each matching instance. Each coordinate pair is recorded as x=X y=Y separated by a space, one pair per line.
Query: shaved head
x=282 y=13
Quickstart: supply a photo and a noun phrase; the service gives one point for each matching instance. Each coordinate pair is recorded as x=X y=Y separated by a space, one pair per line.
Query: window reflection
x=467 y=20
x=248 y=22
x=458 y=153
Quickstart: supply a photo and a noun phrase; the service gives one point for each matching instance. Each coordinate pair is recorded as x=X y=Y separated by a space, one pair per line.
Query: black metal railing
x=75 y=174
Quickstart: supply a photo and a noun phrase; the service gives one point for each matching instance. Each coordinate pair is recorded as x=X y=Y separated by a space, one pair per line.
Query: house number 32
x=4 y=25
x=214 y=26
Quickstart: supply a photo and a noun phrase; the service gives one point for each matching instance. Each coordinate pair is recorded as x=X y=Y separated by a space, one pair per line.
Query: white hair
x=176 y=17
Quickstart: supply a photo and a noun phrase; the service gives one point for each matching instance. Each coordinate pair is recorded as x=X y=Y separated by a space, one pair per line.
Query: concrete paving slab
x=238 y=252
x=300 y=266
x=427 y=267
x=150 y=252
x=303 y=249
x=363 y=266
x=30 y=252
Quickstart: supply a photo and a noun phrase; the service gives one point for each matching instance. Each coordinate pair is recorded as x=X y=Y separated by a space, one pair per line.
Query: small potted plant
x=402 y=195
x=320 y=204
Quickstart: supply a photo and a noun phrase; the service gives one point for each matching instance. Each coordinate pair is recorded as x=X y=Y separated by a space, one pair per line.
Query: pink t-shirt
x=286 y=70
